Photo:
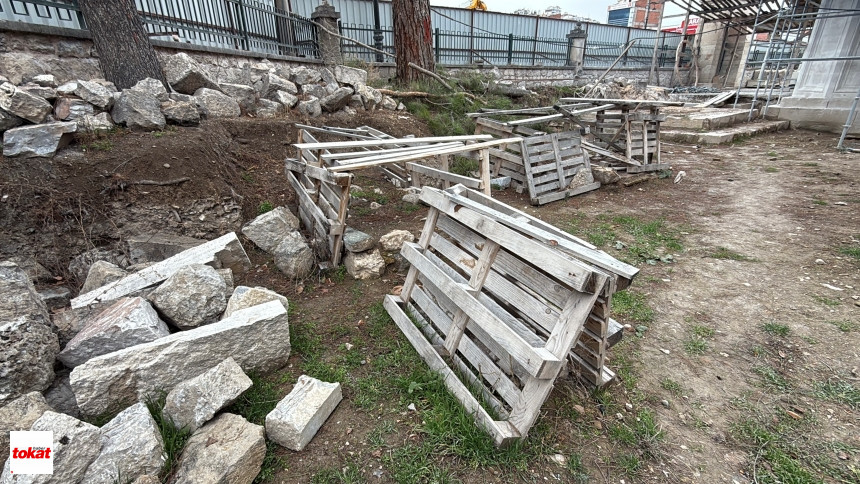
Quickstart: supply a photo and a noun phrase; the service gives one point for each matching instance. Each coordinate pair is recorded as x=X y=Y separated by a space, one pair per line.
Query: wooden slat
x=384 y=142
x=442 y=175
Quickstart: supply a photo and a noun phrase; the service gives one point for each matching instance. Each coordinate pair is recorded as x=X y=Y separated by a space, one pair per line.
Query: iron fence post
x=438 y=46
x=510 y=49
x=243 y=25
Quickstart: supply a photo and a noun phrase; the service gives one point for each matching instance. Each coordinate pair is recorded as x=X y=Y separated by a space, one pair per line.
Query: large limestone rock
x=286 y=99
x=273 y=83
x=22 y=104
x=293 y=256
x=303 y=75
x=269 y=109
x=158 y=246
x=389 y=103
x=131 y=446
x=268 y=229
x=314 y=90
x=216 y=104
x=20 y=414
x=246 y=96
x=153 y=87
x=69 y=322
x=76 y=444
x=194 y=402
x=195 y=295
x=40 y=140
x=605 y=175
x=127 y=322
x=72 y=108
x=357 y=241
x=370 y=97
x=95 y=93
x=300 y=415
x=258 y=338
x=185 y=75
x=228 y=449
x=181 y=113
x=45 y=80
x=46 y=93
x=393 y=241
x=60 y=396
x=366 y=265
x=246 y=297
x=28 y=347
x=350 y=76
x=310 y=107
x=101 y=273
x=95 y=123
x=336 y=100
x=33 y=269
x=138 y=110
x=8 y=121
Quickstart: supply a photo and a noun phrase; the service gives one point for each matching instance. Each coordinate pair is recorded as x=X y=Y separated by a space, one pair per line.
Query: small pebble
x=629 y=407
x=411 y=407
x=374 y=205
x=619 y=416
x=665 y=351
x=167 y=165
x=819 y=261
x=665 y=403
x=348 y=346
x=559 y=459
x=839 y=203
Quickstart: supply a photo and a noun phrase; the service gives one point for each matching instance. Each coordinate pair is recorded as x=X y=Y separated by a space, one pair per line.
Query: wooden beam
x=393 y=141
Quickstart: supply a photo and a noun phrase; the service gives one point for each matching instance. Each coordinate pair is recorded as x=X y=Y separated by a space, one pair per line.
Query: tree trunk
x=413 y=38
x=125 y=54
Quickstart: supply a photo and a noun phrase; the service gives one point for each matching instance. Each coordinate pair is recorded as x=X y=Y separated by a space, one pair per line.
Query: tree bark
x=413 y=38
x=125 y=53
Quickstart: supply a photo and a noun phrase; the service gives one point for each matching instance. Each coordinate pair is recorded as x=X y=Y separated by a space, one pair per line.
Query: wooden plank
x=423 y=242
x=426 y=150
x=385 y=142
x=620 y=102
x=648 y=168
x=476 y=282
x=361 y=154
x=224 y=252
x=567 y=193
x=537 y=361
x=441 y=175
x=502 y=432
x=536 y=120
x=322 y=174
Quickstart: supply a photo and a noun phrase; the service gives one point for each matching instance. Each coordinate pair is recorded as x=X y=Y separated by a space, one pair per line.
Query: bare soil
x=766 y=227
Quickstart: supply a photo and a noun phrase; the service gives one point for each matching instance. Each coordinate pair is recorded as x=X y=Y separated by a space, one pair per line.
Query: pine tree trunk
x=125 y=54
x=413 y=38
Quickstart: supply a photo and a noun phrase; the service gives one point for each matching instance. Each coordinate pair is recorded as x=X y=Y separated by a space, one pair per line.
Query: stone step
x=706 y=119
x=723 y=135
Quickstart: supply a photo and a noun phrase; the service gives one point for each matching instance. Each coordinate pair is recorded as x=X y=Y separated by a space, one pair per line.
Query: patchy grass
x=845 y=325
x=774 y=459
x=265 y=207
x=272 y=463
x=696 y=346
x=701 y=331
x=370 y=196
x=772 y=379
x=853 y=252
x=826 y=301
x=461 y=165
x=839 y=392
x=671 y=386
x=349 y=474
x=771 y=169
x=577 y=470
x=776 y=329
x=256 y=402
x=174 y=438
x=728 y=254
x=632 y=306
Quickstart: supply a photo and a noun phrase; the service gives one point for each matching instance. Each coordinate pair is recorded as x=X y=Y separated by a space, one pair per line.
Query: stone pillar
x=710 y=48
x=326 y=16
x=576 y=46
x=824 y=90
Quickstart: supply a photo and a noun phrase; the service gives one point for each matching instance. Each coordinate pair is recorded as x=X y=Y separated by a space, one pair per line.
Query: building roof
x=741 y=12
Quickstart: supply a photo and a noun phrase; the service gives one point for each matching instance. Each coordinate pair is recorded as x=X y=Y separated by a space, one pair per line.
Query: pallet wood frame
x=551 y=161
x=489 y=304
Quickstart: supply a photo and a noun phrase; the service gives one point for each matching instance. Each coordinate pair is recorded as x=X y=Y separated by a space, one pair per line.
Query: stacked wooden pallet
x=497 y=301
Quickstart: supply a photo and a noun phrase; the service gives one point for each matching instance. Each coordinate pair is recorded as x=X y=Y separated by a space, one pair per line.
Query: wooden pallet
x=551 y=161
x=492 y=305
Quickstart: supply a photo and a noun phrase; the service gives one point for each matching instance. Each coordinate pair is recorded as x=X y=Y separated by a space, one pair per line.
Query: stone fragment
x=389 y=103
x=273 y=83
x=300 y=415
x=76 y=444
x=71 y=108
x=178 y=96
x=8 y=121
x=67 y=89
x=194 y=402
x=285 y=98
x=102 y=273
x=357 y=241
x=246 y=297
x=228 y=449
x=45 y=80
x=181 y=113
x=153 y=87
x=268 y=229
x=131 y=446
x=109 y=85
x=269 y=109
x=99 y=122
x=215 y=104
x=194 y=296
x=370 y=97
x=393 y=241
x=138 y=110
x=413 y=198
x=293 y=256
x=337 y=100
x=33 y=269
x=303 y=75
x=56 y=297
x=310 y=107
x=127 y=322
x=81 y=263
x=258 y=338
x=246 y=96
x=350 y=76
x=327 y=76
x=69 y=322
x=185 y=75
x=349 y=111
x=366 y=265
x=22 y=104
x=60 y=396
x=46 y=93
x=95 y=94
x=42 y=140
x=147 y=479
x=19 y=414
x=227 y=275
x=604 y=175
x=314 y=90
x=28 y=347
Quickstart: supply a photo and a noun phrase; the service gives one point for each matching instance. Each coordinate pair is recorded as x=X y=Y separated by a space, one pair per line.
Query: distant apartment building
x=633 y=13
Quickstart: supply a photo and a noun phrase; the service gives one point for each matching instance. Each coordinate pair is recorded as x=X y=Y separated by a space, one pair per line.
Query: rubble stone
x=285 y=98
x=194 y=402
x=20 y=414
x=314 y=90
x=350 y=76
x=81 y=263
x=94 y=123
x=269 y=109
x=370 y=97
x=273 y=83
x=293 y=256
x=46 y=93
x=181 y=113
x=41 y=140
x=71 y=108
x=227 y=449
x=28 y=347
x=366 y=265
x=393 y=241
x=56 y=297
x=303 y=75
x=95 y=94
x=127 y=322
x=299 y=416
x=389 y=103
x=185 y=75
x=337 y=100
x=258 y=338
x=246 y=96
x=357 y=241
x=45 y=80
x=215 y=104
x=61 y=397
x=131 y=446
x=246 y=297
x=268 y=229
x=23 y=104
x=8 y=121
x=310 y=107
x=605 y=175
x=194 y=296
x=138 y=110
x=102 y=273
x=153 y=87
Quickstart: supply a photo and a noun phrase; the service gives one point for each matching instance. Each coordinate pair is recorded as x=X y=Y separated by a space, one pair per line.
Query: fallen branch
x=432 y=74
x=350 y=40
x=161 y=183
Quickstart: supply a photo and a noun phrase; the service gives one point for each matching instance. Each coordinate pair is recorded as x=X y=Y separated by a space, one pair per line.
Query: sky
x=595 y=9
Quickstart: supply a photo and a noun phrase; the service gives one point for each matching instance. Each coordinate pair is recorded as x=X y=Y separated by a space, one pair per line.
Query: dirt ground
x=744 y=346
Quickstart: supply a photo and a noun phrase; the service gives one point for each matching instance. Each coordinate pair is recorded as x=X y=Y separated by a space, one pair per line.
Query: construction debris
x=299 y=416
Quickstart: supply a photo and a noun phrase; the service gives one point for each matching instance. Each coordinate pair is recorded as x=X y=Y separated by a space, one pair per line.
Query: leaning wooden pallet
x=490 y=305
x=556 y=167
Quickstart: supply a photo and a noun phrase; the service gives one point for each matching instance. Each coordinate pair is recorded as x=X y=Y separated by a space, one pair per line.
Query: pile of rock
x=39 y=117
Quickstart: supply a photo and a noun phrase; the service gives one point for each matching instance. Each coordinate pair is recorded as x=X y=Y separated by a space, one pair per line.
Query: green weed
x=728 y=254
x=771 y=378
x=696 y=346
x=771 y=169
x=776 y=329
x=413 y=464
x=256 y=402
x=272 y=463
x=174 y=438
x=853 y=252
x=826 y=301
x=671 y=386
x=632 y=306
x=839 y=392
x=844 y=325
x=349 y=474
x=577 y=470
x=265 y=207
x=776 y=460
